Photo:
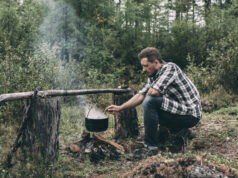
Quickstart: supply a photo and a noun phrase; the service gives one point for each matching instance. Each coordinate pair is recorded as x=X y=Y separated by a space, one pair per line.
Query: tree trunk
x=207 y=6
x=126 y=121
x=40 y=134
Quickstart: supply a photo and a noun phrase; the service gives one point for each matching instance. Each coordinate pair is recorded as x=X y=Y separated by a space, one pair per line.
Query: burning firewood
x=96 y=148
x=74 y=148
x=109 y=141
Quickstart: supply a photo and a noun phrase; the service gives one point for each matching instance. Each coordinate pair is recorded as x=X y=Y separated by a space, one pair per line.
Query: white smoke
x=92 y=112
x=59 y=33
x=59 y=30
x=58 y=44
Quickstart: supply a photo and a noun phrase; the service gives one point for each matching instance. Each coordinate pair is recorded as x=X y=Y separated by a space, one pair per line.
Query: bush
x=220 y=68
x=218 y=99
x=223 y=61
x=201 y=76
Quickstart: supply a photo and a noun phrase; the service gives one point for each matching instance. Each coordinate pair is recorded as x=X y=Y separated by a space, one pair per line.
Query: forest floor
x=213 y=152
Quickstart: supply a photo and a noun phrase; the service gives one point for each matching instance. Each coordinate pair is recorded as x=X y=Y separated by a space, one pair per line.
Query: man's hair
x=151 y=54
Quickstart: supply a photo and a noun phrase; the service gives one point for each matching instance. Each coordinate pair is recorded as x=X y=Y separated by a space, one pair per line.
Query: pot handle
x=90 y=108
x=108 y=113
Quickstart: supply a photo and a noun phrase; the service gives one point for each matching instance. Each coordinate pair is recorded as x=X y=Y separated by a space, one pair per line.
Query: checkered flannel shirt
x=180 y=96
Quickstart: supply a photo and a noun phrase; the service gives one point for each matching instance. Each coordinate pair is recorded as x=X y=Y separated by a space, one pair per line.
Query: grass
x=71 y=124
x=217 y=129
x=216 y=141
x=228 y=111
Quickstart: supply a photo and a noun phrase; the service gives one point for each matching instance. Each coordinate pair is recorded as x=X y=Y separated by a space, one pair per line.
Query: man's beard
x=153 y=74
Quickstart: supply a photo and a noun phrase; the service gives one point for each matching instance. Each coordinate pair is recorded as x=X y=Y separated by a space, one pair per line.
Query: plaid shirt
x=180 y=96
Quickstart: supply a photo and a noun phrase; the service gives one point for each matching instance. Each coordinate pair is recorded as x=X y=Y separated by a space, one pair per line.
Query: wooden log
x=79 y=92
x=109 y=142
x=40 y=134
x=28 y=95
x=126 y=121
x=15 y=96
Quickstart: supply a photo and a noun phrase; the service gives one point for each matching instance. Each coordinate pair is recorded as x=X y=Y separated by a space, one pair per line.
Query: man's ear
x=156 y=61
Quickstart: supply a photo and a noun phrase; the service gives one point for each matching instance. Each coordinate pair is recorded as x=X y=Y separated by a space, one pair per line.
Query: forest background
x=81 y=44
x=85 y=44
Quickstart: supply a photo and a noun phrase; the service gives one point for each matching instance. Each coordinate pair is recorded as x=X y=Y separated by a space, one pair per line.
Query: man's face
x=150 y=68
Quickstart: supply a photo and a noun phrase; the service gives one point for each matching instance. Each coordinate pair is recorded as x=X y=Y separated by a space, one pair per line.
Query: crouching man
x=169 y=98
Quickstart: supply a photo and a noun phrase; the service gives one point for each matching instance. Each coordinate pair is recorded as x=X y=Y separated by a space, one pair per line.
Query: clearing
x=212 y=153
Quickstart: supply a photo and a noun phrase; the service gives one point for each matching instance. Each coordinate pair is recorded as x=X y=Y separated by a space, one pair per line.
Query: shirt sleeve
x=166 y=77
x=144 y=90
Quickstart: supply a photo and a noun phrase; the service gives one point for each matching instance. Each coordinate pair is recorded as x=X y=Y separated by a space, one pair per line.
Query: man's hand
x=113 y=108
x=153 y=92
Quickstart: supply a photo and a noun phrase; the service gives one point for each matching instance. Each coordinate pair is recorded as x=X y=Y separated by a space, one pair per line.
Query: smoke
x=60 y=31
x=60 y=43
x=92 y=112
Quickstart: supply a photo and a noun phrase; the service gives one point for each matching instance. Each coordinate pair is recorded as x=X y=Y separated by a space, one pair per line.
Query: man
x=169 y=98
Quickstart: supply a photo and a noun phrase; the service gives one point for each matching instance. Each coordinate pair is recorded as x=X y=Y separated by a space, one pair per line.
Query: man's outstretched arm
x=133 y=102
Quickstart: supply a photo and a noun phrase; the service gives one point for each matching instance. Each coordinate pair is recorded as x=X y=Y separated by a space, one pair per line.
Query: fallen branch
x=52 y=93
x=16 y=144
x=109 y=142
x=15 y=96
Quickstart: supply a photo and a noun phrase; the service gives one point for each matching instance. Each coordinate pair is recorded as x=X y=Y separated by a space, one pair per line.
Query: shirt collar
x=158 y=72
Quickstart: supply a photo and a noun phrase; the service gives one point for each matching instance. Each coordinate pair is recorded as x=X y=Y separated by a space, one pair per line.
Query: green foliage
x=98 y=64
x=104 y=40
x=60 y=31
x=17 y=30
x=23 y=68
x=72 y=122
x=94 y=44
x=201 y=76
x=223 y=62
x=217 y=99
x=232 y=111
x=36 y=167
x=185 y=39
x=219 y=159
x=208 y=81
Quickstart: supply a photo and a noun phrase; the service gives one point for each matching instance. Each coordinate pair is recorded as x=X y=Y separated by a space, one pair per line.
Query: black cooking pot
x=96 y=125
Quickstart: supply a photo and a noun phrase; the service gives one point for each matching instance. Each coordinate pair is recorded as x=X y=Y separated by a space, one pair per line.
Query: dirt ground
x=212 y=153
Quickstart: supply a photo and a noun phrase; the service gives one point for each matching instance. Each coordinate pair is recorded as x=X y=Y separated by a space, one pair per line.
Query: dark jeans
x=153 y=116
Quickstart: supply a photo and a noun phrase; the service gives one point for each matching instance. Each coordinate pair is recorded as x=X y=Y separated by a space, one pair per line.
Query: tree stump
x=126 y=121
x=41 y=130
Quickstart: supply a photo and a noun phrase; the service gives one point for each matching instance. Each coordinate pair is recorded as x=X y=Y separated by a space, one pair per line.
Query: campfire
x=96 y=148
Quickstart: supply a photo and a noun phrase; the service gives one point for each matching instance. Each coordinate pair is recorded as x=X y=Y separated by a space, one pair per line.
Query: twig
x=16 y=144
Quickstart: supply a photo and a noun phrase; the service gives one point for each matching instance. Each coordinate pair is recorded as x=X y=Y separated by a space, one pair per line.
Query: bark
x=15 y=96
x=109 y=142
x=41 y=131
x=207 y=7
x=126 y=121
x=27 y=95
